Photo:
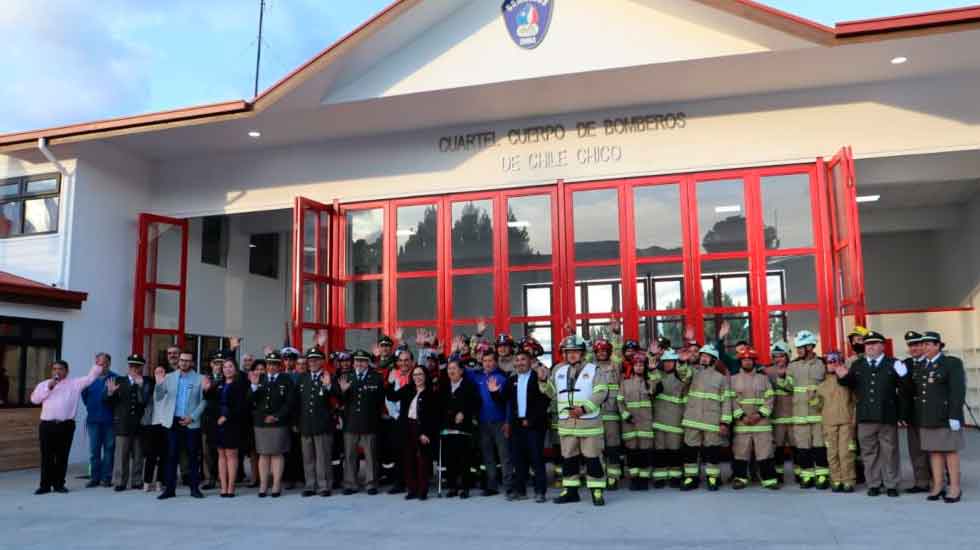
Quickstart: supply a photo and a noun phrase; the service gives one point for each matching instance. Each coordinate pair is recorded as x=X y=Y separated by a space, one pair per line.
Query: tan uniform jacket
x=636 y=406
x=671 y=399
x=836 y=402
x=562 y=397
x=753 y=394
x=709 y=403
x=802 y=378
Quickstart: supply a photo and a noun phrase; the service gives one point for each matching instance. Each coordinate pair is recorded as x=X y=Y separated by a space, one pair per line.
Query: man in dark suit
x=315 y=417
x=127 y=397
x=527 y=413
x=363 y=394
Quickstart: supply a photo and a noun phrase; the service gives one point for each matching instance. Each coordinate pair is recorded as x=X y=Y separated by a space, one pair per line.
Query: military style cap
x=136 y=359
x=361 y=355
x=873 y=337
x=273 y=357
x=932 y=336
x=912 y=337
x=385 y=340
x=314 y=353
x=289 y=352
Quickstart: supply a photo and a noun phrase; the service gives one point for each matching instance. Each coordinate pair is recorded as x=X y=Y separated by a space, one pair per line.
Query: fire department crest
x=527 y=21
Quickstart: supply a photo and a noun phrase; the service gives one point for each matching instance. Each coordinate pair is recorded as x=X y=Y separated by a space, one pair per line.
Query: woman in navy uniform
x=938 y=391
x=271 y=399
x=229 y=396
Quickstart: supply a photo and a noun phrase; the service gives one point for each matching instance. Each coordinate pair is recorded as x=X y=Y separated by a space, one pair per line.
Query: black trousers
x=55 y=438
x=181 y=438
x=293 y=472
x=154 y=452
x=456 y=453
x=527 y=452
x=390 y=452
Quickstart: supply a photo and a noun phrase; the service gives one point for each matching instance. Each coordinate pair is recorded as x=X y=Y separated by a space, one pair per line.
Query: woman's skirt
x=272 y=440
x=940 y=440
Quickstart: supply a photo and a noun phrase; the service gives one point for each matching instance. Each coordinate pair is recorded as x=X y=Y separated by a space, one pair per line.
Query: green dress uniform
x=316 y=422
x=128 y=403
x=363 y=403
x=937 y=388
x=272 y=397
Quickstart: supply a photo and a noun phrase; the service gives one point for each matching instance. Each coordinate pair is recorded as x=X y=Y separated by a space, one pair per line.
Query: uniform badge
x=527 y=21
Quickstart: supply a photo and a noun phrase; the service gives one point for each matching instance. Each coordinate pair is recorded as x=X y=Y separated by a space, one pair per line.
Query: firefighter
x=782 y=412
x=636 y=409
x=707 y=416
x=505 y=353
x=608 y=359
x=673 y=381
x=578 y=389
x=837 y=411
x=753 y=404
x=804 y=374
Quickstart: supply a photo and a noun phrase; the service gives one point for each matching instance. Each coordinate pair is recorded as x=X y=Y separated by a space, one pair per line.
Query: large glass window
x=657 y=213
x=529 y=230
x=365 y=240
x=598 y=290
x=791 y=280
x=596 y=224
x=725 y=283
x=29 y=205
x=364 y=299
x=417 y=237
x=472 y=234
x=660 y=286
x=721 y=216
x=27 y=348
x=530 y=293
x=786 y=211
x=417 y=299
x=472 y=296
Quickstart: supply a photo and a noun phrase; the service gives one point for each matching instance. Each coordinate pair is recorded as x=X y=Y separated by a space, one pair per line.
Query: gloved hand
x=954 y=424
x=900 y=369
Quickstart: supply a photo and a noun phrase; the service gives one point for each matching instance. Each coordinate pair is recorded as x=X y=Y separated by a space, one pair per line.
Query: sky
x=70 y=61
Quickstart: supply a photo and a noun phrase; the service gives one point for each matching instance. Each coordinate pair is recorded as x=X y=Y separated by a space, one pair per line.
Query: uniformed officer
x=209 y=420
x=919 y=458
x=782 y=412
x=608 y=357
x=707 y=416
x=128 y=398
x=635 y=398
x=804 y=374
x=578 y=389
x=363 y=394
x=876 y=380
x=316 y=424
x=753 y=405
x=673 y=381
x=385 y=359
x=272 y=404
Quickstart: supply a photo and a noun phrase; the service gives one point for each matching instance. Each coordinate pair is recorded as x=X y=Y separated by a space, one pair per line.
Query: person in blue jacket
x=494 y=427
x=101 y=438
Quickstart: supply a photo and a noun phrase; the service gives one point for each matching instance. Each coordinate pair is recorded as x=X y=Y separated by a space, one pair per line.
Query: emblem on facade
x=527 y=21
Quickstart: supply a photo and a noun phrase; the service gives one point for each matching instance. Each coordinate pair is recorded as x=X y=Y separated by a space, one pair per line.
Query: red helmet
x=602 y=345
x=748 y=353
x=532 y=346
x=504 y=339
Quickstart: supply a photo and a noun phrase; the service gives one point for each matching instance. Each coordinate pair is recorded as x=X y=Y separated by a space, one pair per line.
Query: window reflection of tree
x=418 y=253
x=472 y=237
x=729 y=235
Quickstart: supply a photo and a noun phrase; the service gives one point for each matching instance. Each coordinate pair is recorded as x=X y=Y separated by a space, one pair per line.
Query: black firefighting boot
x=713 y=484
x=689 y=484
x=567 y=495
x=597 y=499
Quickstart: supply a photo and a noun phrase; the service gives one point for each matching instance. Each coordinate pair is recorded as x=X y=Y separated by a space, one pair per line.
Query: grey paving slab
x=751 y=519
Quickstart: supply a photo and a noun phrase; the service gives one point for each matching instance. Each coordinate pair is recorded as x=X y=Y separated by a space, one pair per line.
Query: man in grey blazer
x=179 y=401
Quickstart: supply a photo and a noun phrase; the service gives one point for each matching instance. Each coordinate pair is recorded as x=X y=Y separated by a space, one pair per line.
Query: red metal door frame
x=301 y=207
x=144 y=259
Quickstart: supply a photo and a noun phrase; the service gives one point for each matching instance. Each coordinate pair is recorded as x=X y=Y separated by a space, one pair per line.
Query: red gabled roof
x=26 y=291
x=842 y=33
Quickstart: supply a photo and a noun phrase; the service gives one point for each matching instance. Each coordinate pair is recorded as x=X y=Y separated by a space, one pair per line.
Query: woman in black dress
x=232 y=397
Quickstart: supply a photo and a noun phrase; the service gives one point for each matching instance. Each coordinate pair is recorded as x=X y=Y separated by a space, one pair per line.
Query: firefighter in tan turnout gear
x=636 y=407
x=673 y=380
x=579 y=391
x=707 y=416
x=804 y=374
x=608 y=357
x=782 y=412
x=753 y=404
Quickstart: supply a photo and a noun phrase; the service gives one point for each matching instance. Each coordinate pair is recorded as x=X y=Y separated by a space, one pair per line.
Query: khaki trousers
x=316 y=461
x=745 y=446
x=369 y=443
x=127 y=448
x=807 y=436
x=840 y=453
x=879 y=452
x=919 y=459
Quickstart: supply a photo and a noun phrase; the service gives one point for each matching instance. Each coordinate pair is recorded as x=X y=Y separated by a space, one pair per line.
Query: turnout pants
x=840 y=453
x=669 y=460
x=879 y=452
x=706 y=446
x=613 y=446
x=810 y=453
x=747 y=446
x=317 y=470
x=582 y=441
x=128 y=460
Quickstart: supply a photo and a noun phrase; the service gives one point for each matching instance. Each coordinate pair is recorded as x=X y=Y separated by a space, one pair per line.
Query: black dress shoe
x=372 y=491
x=62 y=489
x=231 y=495
x=349 y=491
x=165 y=495
x=916 y=490
x=262 y=495
x=490 y=492
x=107 y=483
x=277 y=494
x=424 y=496
x=874 y=491
x=937 y=496
x=210 y=486
x=892 y=493
x=196 y=493
x=409 y=496
x=119 y=488
x=452 y=493
x=42 y=491
x=953 y=500
x=325 y=493
x=396 y=490
x=464 y=494
x=92 y=484
x=307 y=493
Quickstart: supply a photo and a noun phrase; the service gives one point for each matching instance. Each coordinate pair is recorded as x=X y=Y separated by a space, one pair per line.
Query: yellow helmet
x=859 y=331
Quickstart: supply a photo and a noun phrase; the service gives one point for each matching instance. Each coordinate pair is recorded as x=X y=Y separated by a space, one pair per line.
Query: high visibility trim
x=691 y=470
x=852 y=446
x=752 y=401
x=595 y=483
x=780 y=393
x=671 y=399
x=730 y=394
x=613 y=470
x=712 y=471
x=821 y=471
x=726 y=419
x=738 y=413
x=742 y=479
x=676 y=474
x=639 y=404
x=610 y=418
x=634 y=471
x=769 y=482
x=784 y=420
x=661 y=474
x=810 y=419
x=764 y=411
x=769 y=393
x=573 y=482
x=803 y=389
x=580 y=432
x=693 y=424
x=705 y=395
x=645 y=473
x=752 y=429
x=667 y=428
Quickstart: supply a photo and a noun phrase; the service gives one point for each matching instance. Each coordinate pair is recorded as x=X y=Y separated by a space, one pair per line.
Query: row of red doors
x=702 y=248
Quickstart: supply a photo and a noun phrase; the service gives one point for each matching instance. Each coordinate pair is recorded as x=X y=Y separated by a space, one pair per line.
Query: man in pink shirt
x=58 y=397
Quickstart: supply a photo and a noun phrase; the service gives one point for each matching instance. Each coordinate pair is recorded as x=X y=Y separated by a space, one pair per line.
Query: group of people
x=490 y=412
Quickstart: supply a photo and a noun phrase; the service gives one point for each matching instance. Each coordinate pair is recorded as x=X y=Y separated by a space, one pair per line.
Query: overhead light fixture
x=519 y=224
x=254 y=134
x=868 y=198
x=899 y=60
x=252 y=245
x=728 y=209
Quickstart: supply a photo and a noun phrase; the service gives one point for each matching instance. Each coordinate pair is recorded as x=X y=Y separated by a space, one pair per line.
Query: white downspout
x=68 y=207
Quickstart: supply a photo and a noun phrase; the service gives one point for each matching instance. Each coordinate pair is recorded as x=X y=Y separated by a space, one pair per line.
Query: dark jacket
x=879 y=399
x=235 y=408
x=209 y=420
x=466 y=400
x=272 y=398
x=363 y=402
x=97 y=409
x=936 y=393
x=427 y=409
x=314 y=407
x=127 y=404
x=536 y=414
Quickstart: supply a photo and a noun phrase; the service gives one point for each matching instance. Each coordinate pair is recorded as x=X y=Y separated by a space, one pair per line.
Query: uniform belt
x=57 y=421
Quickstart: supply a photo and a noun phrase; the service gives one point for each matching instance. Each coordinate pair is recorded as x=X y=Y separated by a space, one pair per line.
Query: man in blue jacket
x=101 y=439
x=494 y=424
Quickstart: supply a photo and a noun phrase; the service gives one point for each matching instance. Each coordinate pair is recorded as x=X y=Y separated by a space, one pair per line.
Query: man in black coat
x=316 y=422
x=128 y=397
x=363 y=395
x=877 y=380
x=461 y=412
x=527 y=413
x=209 y=420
